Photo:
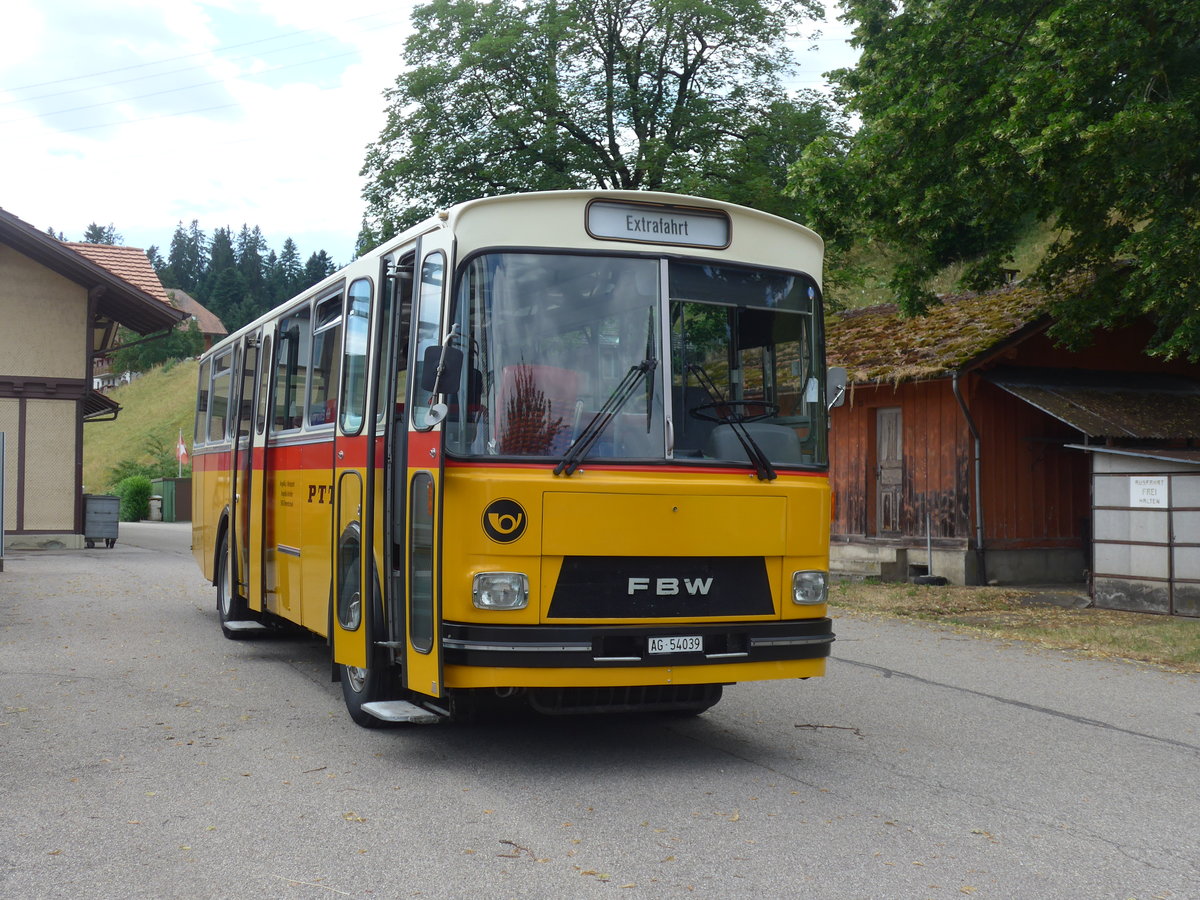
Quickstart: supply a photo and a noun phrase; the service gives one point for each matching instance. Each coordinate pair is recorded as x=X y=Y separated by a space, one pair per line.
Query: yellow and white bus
x=565 y=449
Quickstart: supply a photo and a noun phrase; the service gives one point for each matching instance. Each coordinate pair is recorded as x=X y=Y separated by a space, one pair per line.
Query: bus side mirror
x=440 y=366
x=835 y=386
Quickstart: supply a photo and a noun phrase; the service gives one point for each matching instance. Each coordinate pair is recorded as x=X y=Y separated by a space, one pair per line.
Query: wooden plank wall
x=935 y=460
x=1035 y=492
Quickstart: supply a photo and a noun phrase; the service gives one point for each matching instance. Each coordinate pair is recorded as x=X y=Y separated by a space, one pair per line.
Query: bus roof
x=556 y=219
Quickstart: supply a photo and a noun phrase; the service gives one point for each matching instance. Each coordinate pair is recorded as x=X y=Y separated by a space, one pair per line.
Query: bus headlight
x=500 y=590
x=808 y=588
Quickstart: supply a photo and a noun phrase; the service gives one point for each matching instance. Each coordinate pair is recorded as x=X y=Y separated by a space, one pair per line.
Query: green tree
x=134 y=492
x=182 y=342
x=753 y=170
x=979 y=118
x=283 y=274
x=227 y=298
x=156 y=259
x=249 y=250
x=220 y=252
x=516 y=95
x=319 y=266
x=186 y=259
x=102 y=234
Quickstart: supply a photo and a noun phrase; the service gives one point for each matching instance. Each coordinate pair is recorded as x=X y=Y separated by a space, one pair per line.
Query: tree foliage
x=237 y=277
x=134 y=492
x=102 y=234
x=519 y=95
x=182 y=342
x=981 y=117
x=157 y=460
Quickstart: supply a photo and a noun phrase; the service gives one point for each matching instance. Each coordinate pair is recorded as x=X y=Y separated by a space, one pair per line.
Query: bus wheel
x=230 y=607
x=361 y=686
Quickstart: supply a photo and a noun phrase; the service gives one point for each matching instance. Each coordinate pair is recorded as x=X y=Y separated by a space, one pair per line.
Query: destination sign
x=649 y=224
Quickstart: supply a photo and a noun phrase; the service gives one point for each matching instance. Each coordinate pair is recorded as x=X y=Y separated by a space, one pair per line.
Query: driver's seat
x=780 y=443
x=691 y=432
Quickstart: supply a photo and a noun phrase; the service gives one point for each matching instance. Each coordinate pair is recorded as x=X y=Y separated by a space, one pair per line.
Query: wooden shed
x=952 y=455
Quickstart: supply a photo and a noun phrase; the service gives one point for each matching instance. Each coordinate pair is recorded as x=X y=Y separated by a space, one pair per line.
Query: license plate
x=691 y=643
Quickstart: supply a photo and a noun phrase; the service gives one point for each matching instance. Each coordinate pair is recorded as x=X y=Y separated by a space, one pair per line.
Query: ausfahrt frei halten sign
x=1148 y=491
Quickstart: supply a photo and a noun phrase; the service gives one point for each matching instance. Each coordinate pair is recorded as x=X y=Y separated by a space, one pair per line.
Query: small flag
x=181 y=451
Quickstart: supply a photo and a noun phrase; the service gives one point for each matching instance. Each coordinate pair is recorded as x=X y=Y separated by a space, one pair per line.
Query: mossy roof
x=877 y=344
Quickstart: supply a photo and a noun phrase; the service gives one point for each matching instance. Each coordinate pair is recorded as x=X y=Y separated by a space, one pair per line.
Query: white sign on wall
x=1148 y=491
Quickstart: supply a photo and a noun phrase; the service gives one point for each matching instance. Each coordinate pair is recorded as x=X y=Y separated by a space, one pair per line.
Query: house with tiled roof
x=210 y=326
x=972 y=447
x=60 y=305
x=212 y=329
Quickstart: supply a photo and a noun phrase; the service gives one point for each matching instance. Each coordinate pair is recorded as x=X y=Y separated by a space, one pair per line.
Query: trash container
x=164 y=489
x=168 y=499
x=101 y=518
x=156 y=508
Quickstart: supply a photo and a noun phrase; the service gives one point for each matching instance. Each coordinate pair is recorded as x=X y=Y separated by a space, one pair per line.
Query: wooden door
x=889 y=470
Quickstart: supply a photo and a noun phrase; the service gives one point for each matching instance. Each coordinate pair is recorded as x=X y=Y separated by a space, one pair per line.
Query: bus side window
x=354 y=356
x=291 y=371
x=429 y=311
x=396 y=300
x=249 y=370
x=323 y=377
x=264 y=384
x=200 y=435
x=221 y=384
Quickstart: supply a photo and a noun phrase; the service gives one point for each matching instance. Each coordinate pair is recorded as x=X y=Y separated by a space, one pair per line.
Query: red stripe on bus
x=423 y=449
x=669 y=468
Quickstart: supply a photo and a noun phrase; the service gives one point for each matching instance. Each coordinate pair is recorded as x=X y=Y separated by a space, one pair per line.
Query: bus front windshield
x=564 y=355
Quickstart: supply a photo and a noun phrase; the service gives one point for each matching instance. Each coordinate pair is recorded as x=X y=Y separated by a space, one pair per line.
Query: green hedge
x=134 y=492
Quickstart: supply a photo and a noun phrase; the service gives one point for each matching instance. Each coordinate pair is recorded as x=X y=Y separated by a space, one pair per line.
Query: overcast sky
x=144 y=114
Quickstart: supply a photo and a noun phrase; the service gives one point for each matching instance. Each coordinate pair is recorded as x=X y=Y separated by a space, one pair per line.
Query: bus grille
x=638 y=698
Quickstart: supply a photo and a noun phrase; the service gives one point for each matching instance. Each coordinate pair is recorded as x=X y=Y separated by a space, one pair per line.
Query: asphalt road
x=143 y=755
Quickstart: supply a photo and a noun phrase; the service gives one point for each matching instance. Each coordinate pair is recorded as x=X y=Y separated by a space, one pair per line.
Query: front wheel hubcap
x=356 y=677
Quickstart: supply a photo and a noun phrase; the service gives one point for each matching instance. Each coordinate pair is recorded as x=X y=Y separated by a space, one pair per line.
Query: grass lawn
x=154 y=408
x=1171 y=642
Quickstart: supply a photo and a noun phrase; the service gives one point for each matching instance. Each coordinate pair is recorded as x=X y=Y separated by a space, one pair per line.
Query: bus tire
x=230 y=607
x=361 y=686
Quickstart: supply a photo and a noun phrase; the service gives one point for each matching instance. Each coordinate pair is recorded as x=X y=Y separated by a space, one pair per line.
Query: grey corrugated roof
x=1190 y=457
x=1122 y=405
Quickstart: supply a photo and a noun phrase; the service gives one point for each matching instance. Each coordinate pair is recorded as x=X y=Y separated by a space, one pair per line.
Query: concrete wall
x=44 y=334
x=956 y=564
x=43 y=320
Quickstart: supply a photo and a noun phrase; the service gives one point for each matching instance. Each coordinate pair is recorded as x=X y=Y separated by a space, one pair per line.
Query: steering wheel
x=708 y=411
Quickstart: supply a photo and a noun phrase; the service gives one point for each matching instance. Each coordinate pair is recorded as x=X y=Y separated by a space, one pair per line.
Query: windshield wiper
x=762 y=465
x=594 y=428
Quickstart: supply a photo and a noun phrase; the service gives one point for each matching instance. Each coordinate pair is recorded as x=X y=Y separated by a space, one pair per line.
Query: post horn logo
x=504 y=521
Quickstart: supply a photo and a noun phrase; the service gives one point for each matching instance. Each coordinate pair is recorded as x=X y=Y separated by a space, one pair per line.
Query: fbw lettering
x=320 y=493
x=670 y=587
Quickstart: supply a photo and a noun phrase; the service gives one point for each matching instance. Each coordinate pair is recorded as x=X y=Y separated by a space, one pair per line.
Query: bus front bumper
x=636 y=646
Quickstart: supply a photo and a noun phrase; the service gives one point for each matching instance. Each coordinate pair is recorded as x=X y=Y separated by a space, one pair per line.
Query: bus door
x=357 y=617
x=423 y=476
x=242 y=472
x=254 y=492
